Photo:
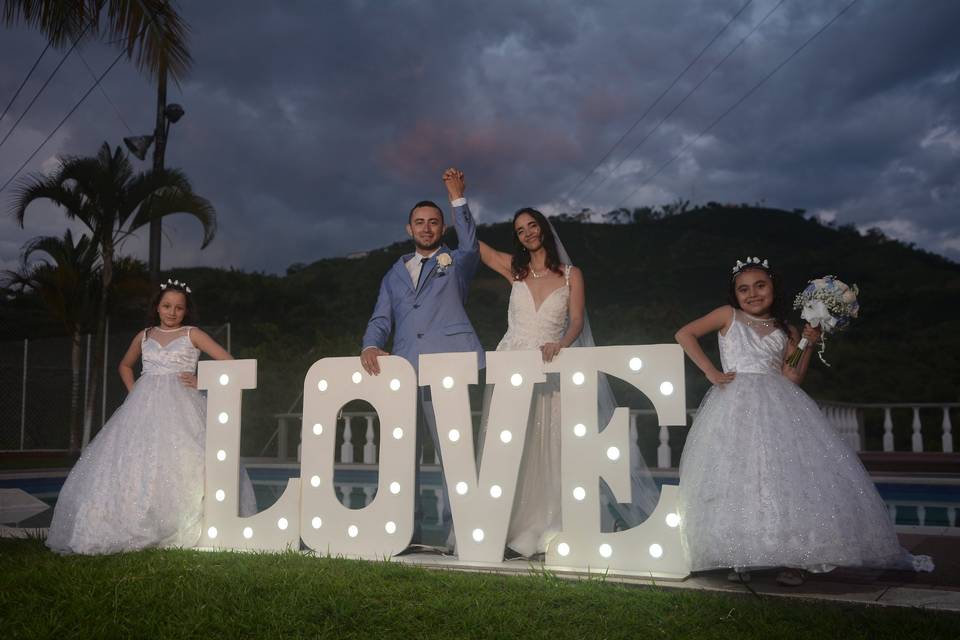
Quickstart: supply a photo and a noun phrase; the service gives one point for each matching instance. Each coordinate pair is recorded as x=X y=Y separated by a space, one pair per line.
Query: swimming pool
x=913 y=501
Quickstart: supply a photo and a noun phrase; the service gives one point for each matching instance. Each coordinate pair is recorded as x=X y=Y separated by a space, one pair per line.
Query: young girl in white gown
x=139 y=483
x=546 y=312
x=765 y=481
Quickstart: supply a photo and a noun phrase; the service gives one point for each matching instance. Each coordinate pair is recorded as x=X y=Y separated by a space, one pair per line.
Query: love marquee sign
x=481 y=498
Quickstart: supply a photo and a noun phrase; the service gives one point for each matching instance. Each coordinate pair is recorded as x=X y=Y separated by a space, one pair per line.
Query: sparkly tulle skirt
x=766 y=482
x=139 y=483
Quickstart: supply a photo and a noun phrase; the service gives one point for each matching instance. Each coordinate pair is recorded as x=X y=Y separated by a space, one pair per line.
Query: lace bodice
x=747 y=349
x=529 y=327
x=178 y=355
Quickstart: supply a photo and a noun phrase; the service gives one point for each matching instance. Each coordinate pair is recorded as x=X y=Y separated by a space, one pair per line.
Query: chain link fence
x=35 y=384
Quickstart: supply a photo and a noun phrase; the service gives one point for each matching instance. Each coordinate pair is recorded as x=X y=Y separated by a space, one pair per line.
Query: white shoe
x=738 y=576
x=791 y=578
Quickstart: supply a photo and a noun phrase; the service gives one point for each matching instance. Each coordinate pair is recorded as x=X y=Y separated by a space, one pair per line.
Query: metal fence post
x=103 y=396
x=83 y=403
x=23 y=396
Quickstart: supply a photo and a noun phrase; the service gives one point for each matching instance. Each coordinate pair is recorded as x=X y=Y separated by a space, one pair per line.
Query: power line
x=25 y=80
x=689 y=93
x=104 y=92
x=65 y=118
x=587 y=175
x=47 y=82
x=738 y=102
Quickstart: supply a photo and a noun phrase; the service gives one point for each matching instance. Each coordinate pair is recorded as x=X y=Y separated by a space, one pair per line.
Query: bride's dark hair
x=520 y=263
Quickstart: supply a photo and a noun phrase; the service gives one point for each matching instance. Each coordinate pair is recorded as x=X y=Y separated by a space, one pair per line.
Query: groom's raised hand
x=368 y=358
x=453 y=179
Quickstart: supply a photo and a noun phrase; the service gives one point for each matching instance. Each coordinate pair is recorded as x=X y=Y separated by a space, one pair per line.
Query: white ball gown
x=536 y=513
x=765 y=481
x=139 y=483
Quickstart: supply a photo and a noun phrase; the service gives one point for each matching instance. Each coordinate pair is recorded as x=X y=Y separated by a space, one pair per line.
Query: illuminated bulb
x=516 y=379
x=656 y=550
x=606 y=550
x=352 y=531
x=636 y=364
x=505 y=436
x=454 y=435
x=447 y=382
x=397 y=433
x=579 y=378
x=223 y=417
x=579 y=430
x=247 y=533
x=221 y=455
x=224 y=379
x=282 y=524
x=613 y=453
x=357 y=377
x=496 y=491
x=462 y=488
x=316 y=522
x=212 y=533
x=563 y=549
x=666 y=388
x=395 y=385
x=317 y=429
x=322 y=385
x=221 y=495
x=394 y=488
x=390 y=527
x=478 y=535
x=315 y=481
x=673 y=520
x=579 y=493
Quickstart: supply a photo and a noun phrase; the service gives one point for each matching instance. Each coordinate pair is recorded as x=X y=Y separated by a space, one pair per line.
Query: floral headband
x=750 y=262
x=175 y=284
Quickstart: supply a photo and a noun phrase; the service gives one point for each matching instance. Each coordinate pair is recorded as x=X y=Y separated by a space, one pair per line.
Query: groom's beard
x=427 y=247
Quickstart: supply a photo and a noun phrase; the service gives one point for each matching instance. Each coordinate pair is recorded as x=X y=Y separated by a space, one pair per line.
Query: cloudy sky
x=313 y=126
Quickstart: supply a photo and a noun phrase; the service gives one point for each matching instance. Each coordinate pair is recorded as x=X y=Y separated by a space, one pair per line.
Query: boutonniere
x=443 y=263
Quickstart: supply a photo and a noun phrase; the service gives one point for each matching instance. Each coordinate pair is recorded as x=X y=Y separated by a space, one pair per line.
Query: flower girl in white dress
x=546 y=312
x=140 y=481
x=765 y=481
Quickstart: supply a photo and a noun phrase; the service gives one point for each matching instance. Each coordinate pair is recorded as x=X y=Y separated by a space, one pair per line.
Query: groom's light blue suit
x=429 y=318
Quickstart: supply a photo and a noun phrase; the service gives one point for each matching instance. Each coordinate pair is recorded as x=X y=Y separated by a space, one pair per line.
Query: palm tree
x=112 y=201
x=151 y=31
x=65 y=280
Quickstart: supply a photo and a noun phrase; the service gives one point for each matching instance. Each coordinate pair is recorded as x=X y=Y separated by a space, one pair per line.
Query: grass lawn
x=190 y=594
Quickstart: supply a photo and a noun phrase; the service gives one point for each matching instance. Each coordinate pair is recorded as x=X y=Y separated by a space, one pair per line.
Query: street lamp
x=167 y=114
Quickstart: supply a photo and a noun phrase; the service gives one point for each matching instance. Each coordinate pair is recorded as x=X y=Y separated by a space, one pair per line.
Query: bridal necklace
x=162 y=330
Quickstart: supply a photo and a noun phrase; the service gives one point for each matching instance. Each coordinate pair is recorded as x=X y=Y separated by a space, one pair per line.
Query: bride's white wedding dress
x=765 y=481
x=139 y=483
x=536 y=507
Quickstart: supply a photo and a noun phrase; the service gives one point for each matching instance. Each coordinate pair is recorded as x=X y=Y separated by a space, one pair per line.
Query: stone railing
x=358 y=431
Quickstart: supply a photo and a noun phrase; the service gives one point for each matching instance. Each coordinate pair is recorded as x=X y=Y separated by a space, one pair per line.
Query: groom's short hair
x=425 y=203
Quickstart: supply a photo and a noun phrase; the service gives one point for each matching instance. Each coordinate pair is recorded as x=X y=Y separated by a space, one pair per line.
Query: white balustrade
x=947 y=431
x=369 y=449
x=664 y=454
x=921 y=515
x=369 y=493
x=887 y=430
x=347 y=449
x=635 y=455
x=917 y=439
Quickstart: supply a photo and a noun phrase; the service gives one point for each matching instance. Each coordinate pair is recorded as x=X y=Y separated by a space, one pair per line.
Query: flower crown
x=750 y=262
x=175 y=284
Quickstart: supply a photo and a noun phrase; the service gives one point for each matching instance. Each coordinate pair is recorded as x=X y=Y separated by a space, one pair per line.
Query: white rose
x=849 y=296
x=444 y=260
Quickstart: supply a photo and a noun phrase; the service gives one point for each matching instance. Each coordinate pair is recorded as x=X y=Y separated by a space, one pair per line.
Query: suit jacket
x=429 y=318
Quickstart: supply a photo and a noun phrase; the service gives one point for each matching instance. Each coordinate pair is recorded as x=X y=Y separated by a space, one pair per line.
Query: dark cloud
x=314 y=126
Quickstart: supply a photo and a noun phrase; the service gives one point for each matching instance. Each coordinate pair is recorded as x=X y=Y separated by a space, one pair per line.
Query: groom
x=421 y=301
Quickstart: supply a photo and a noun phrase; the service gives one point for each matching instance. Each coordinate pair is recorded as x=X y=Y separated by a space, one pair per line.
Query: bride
x=546 y=312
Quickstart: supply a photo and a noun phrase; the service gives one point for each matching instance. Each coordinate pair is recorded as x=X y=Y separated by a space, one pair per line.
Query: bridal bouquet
x=827 y=303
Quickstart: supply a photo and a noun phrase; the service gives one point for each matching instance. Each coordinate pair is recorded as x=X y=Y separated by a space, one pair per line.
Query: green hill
x=644 y=279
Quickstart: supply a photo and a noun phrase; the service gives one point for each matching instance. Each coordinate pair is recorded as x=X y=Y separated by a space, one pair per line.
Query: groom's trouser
x=427 y=427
